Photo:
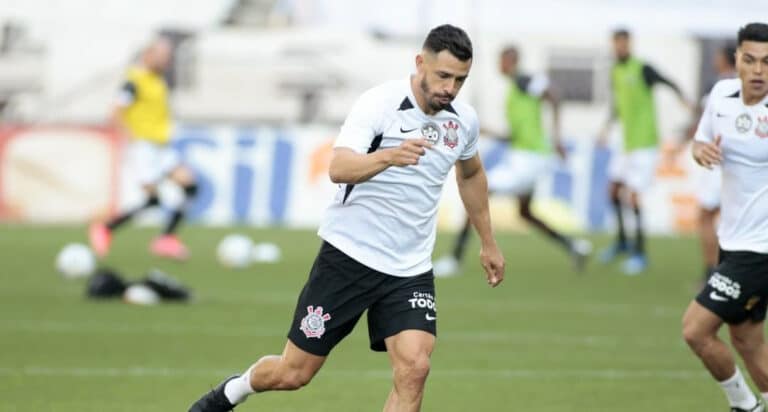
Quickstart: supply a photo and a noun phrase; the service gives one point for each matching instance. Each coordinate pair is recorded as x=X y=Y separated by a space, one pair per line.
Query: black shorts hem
x=752 y=316
x=302 y=344
x=378 y=345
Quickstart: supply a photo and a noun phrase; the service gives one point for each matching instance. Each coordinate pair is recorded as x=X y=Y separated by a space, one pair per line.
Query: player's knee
x=696 y=339
x=413 y=373
x=183 y=176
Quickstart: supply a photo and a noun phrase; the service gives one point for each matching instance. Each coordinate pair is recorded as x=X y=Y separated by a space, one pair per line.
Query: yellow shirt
x=147 y=112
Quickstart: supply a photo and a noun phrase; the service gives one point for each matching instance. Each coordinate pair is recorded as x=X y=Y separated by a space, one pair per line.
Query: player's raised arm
x=473 y=188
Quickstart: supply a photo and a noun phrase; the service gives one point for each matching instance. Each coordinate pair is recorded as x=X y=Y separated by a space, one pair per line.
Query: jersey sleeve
x=704 y=131
x=652 y=77
x=538 y=85
x=361 y=125
x=127 y=94
x=473 y=135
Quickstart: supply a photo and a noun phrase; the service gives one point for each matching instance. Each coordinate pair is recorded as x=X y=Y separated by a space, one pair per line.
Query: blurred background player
x=732 y=133
x=631 y=171
x=530 y=157
x=143 y=114
x=708 y=181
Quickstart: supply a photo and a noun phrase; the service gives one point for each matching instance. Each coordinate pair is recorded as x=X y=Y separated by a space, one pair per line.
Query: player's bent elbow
x=340 y=176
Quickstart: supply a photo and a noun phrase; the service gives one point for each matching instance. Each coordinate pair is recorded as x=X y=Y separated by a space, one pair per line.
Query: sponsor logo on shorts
x=429 y=318
x=725 y=286
x=422 y=300
x=714 y=296
x=313 y=325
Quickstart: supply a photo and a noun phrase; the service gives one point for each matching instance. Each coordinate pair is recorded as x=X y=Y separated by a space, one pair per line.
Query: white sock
x=239 y=388
x=737 y=391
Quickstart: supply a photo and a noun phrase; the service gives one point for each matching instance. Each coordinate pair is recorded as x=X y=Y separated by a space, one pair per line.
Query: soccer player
x=143 y=114
x=631 y=172
x=391 y=159
x=733 y=133
x=708 y=180
x=530 y=158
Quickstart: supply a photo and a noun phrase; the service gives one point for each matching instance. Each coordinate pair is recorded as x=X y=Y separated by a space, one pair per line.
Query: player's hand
x=493 y=264
x=409 y=152
x=708 y=154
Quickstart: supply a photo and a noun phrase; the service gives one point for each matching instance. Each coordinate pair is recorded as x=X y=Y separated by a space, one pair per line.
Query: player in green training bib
x=530 y=157
x=631 y=171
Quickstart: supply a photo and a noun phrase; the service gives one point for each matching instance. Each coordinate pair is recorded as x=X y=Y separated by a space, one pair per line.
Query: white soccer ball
x=75 y=260
x=266 y=253
x=141 y=295
x=235 y=251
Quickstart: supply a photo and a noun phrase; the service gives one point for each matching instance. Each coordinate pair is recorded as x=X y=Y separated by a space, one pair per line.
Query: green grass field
x=546 y=340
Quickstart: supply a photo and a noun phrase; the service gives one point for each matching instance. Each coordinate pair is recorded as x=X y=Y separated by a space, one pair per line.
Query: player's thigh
x=410 y=348
x=338 y=291
x=617 y=166
x=699 y=321
x=407 y=304
x=182 y=175
x=641 y=169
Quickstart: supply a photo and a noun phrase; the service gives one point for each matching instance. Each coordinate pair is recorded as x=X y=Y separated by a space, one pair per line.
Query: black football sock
x=127 y=216
x=621 y=235
x=639 y=232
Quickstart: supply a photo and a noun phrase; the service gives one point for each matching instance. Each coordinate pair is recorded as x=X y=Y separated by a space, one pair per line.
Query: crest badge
x=744 y=123
x=451 y=138
x=762 y=127
x=431 y=132
x=313 y=325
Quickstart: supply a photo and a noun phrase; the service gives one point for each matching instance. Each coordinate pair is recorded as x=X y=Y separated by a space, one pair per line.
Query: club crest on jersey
x=430 y=131
x=762 y=127
x=451 y=138
x=743 y=123
x=313 y=325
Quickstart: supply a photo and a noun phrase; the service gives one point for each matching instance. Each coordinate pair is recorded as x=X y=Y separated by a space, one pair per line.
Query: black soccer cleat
x=760 y=407
x=214 y=401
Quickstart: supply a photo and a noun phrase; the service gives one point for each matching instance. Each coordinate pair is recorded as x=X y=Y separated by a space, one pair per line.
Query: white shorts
x=635 y=169
x=519 y=171
x=148 y=162
x=708 y=186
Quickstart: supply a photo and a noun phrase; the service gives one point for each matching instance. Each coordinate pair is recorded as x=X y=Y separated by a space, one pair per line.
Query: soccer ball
x=235 y=251
x=141 y=295
x=75 y=260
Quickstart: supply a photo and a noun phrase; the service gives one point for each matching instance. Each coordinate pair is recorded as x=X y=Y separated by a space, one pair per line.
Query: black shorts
x=340 y=289
x=738 y=288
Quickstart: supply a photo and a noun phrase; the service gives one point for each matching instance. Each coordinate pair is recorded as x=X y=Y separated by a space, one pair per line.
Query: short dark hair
x=621 y=32
x=451 y=38
x=753 y=32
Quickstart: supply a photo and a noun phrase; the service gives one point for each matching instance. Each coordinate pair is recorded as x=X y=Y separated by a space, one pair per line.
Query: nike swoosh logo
x=715 y=296
x=407 y=131
x=430 y=318
x=719 y=115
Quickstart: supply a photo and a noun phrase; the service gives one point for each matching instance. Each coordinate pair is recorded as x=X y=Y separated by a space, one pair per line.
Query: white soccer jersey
x=388 y=222
x=744 y=133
